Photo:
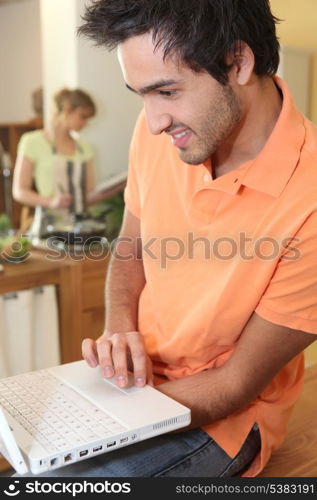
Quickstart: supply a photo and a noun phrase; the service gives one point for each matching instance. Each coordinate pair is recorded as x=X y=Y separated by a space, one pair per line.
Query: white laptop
x=54 y=417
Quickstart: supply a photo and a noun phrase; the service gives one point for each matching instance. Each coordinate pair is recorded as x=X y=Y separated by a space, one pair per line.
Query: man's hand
x=116 y=354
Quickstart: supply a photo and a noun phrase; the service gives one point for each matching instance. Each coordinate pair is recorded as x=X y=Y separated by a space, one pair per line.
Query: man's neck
x=262 y=107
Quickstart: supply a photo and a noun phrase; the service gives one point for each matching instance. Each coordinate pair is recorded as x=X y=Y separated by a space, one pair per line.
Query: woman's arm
x=24 y=193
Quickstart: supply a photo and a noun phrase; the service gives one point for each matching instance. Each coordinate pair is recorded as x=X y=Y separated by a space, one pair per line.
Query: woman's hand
x=116 y=354
x=63 y=200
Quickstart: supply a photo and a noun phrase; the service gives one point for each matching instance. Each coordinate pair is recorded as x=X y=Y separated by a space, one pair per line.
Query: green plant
x=115 y=215
x=5 y=223
x=111 y=211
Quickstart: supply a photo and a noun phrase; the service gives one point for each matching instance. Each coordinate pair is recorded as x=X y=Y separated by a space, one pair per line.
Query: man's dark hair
x=201 y=32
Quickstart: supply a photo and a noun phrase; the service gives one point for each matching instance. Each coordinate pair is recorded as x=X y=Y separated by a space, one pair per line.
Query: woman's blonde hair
x=74 y=99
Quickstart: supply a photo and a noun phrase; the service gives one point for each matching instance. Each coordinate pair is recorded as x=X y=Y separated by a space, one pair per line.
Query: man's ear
x=242 y=62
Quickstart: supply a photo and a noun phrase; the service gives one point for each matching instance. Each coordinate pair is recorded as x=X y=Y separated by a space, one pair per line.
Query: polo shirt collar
x=271 y=170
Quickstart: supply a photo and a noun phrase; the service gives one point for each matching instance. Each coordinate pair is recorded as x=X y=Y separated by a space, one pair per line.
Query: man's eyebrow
x=154 y=86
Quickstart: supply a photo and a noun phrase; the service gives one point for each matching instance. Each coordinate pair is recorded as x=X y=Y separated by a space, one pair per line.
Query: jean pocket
x=246 y=455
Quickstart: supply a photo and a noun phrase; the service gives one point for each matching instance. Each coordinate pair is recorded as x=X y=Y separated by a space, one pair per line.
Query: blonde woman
x=54 y=172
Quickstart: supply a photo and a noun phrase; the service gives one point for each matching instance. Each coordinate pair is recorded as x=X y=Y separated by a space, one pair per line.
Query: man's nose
x=157 y=120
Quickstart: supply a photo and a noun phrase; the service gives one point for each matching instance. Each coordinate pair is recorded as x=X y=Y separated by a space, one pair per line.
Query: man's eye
x=167 y=93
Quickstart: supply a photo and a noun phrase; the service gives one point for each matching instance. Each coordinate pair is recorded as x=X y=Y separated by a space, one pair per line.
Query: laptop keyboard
x=56 y=415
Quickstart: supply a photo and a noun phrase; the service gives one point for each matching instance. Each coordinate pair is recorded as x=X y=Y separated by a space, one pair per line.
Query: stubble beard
x=221 y=118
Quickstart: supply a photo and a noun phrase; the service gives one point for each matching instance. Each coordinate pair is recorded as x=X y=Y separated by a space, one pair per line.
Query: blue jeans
x=187 y=454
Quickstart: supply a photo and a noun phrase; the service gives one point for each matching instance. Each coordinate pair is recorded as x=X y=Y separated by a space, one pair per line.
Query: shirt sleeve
x=291 y=297
x=26 y=147
x=132 y=191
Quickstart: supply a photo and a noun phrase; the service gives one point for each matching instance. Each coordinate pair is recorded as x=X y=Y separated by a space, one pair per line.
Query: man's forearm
x=125 y=281
x=210 y=395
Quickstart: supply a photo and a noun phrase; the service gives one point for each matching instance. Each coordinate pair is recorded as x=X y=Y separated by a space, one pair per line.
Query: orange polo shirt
x=216 y=250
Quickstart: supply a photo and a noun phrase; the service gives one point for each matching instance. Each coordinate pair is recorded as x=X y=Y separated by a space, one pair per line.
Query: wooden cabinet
x=10 y=134
x=80 y=291
x=86 y=302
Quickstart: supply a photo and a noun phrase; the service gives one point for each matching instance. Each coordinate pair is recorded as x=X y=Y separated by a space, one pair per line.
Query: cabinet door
x=93 y=289
x=93 y=323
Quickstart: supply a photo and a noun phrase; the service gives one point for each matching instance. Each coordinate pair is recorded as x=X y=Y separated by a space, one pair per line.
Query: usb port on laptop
x=113 y=443
x=83 y=453
x=124 y=440
x=98 y=448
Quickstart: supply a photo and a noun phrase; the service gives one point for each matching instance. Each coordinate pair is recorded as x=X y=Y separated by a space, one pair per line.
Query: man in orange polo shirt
x=213 y=291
